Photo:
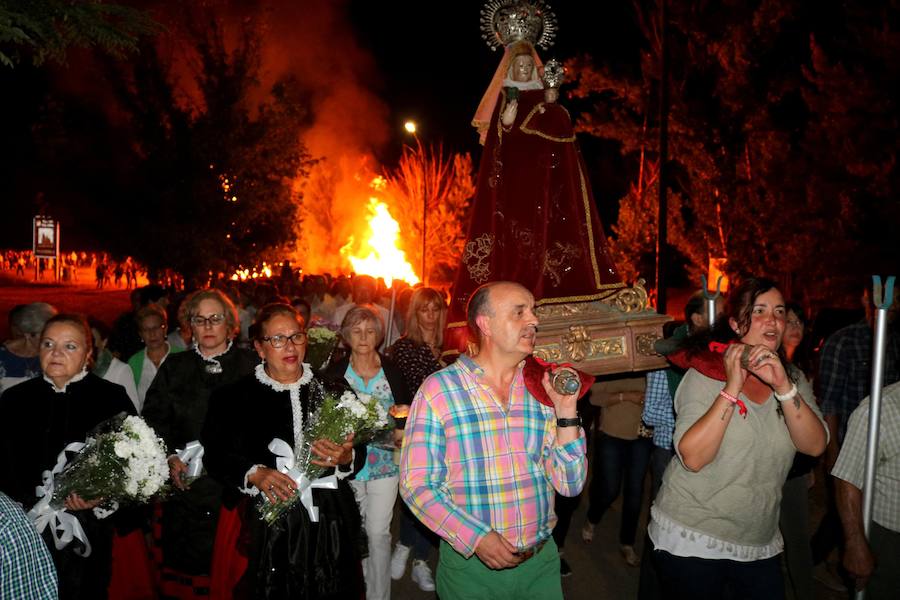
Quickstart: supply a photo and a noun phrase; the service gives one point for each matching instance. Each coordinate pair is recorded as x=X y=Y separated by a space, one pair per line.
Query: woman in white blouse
x=152 y=325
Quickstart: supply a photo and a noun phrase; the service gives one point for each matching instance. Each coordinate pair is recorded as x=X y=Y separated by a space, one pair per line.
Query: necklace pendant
x=213 y=368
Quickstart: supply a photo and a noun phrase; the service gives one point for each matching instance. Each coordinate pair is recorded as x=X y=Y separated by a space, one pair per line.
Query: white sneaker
x=398 y=561
x=421 y=574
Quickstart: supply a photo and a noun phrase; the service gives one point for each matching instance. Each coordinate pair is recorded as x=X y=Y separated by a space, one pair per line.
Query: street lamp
x=410 y=127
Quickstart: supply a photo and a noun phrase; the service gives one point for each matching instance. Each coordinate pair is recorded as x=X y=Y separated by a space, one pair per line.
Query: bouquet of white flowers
x=122 y=460
x=339 y=413
x=320 y=345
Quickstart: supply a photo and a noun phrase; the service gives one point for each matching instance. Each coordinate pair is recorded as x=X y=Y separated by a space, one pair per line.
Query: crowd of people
x=106 y=270
x=189 y=364
x=729 y=434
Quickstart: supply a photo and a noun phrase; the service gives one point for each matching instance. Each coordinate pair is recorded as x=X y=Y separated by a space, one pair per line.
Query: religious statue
x=534 y=220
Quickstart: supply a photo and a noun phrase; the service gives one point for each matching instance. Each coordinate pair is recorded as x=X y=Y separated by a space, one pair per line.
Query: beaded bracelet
x=789 y=396
x=742 y=408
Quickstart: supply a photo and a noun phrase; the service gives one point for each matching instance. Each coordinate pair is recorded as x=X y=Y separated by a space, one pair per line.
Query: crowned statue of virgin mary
x=534 y=220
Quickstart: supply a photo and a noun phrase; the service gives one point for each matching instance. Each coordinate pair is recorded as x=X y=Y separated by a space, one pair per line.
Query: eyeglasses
x=794 y=323
x=212 y=320
x=279 y=341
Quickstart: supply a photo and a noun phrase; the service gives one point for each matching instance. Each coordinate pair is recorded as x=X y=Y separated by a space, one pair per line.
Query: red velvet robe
x=534 y=220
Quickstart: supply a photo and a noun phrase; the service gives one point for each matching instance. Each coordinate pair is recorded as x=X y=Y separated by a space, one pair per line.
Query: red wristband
x=742 y=408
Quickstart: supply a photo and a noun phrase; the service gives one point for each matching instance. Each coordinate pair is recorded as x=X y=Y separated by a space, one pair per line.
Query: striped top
x=469 y=467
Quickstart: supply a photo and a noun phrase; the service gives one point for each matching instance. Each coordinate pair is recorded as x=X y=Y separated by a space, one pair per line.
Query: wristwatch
x=576 y=422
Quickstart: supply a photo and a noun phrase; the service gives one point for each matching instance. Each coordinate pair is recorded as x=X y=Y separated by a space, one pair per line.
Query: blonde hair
x=190 y=305
x=420 y=298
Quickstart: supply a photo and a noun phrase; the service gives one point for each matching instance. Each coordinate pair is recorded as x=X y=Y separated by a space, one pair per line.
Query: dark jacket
x=37 y=423
x=293 y=558
x=178 y=399
x=176 y=407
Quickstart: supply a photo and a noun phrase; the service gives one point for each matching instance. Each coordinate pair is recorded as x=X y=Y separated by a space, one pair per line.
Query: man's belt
x=529 y=552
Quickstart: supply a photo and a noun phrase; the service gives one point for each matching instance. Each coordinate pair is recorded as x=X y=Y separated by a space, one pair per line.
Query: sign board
x=46 y=237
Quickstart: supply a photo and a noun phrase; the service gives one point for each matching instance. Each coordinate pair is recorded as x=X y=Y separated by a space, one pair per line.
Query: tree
x=214 y=175
x=46 y=29
x=770 y=154
x=428 y=185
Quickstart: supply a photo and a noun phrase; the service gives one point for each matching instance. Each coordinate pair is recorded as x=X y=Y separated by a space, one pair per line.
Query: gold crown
x=504 y=22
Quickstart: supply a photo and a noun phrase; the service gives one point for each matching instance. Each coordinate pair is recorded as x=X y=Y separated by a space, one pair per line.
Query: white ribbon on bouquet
x=64 y=526
x=192 y=456
x=284 y=462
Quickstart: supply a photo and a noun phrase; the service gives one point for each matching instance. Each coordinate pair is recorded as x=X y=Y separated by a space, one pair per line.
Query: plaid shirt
x=659 y=409
x=851 y=463
x=468 y=467
x=26 y=569
x=845 y=370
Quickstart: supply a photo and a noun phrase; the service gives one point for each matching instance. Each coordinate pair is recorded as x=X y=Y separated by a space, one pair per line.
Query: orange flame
x=378 y=254
x=256 y=273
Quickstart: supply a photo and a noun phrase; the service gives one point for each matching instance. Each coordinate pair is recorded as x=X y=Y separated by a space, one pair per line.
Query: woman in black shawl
x=294 y=557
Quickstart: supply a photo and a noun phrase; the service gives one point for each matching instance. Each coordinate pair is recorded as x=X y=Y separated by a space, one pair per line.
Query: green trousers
x=470 y=579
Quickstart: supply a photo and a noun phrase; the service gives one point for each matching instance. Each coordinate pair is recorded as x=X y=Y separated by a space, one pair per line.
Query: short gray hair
x=31 y=318
x=479 y=304
x=357 y=315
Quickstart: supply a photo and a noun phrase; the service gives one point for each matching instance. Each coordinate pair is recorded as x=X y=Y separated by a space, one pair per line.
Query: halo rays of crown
x=504 y=22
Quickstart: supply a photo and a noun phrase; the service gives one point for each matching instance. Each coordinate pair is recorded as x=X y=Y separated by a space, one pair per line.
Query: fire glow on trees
x=378 y=254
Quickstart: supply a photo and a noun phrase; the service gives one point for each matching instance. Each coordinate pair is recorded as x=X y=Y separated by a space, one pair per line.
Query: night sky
x=427 y=66
x=435 y=67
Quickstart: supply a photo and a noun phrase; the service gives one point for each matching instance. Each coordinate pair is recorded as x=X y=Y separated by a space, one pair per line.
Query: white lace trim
x=679 y=540
x=74 y=379
x=212 y=358
x=531 y=84
x=249 y=488
x=294 y=389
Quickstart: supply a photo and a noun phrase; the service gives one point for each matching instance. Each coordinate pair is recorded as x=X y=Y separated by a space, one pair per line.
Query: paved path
x=598 y=571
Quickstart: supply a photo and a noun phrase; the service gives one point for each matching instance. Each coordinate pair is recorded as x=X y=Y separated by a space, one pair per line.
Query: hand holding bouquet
x=122 y=461
x=339 y=414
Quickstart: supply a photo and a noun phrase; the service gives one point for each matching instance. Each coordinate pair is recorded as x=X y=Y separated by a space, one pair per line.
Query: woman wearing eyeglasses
x=375 y=475
x=176 y=406
x=293 y=557
x=151 y=322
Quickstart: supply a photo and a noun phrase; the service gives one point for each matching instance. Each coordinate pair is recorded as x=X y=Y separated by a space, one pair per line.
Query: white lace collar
x=523 y=85
x=265 y=379
x=212 y=358
x=75 y=379
x=294 y=390
x=213 y=366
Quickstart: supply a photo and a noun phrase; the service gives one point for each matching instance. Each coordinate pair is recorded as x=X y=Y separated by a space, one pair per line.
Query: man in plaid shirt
x=26 y=568
x=874 y=562
x=844 y=379
x=482 y=458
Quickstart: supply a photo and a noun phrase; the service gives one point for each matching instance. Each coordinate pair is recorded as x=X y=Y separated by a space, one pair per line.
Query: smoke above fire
x=314 y=42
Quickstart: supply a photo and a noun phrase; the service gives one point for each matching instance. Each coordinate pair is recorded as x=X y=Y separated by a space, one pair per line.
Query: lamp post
x=410 y=127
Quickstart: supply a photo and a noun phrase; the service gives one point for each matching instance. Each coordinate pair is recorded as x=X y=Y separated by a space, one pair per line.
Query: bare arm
x=858 y=558
x=831 y=449
x=807 y=431
x=700 y=443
